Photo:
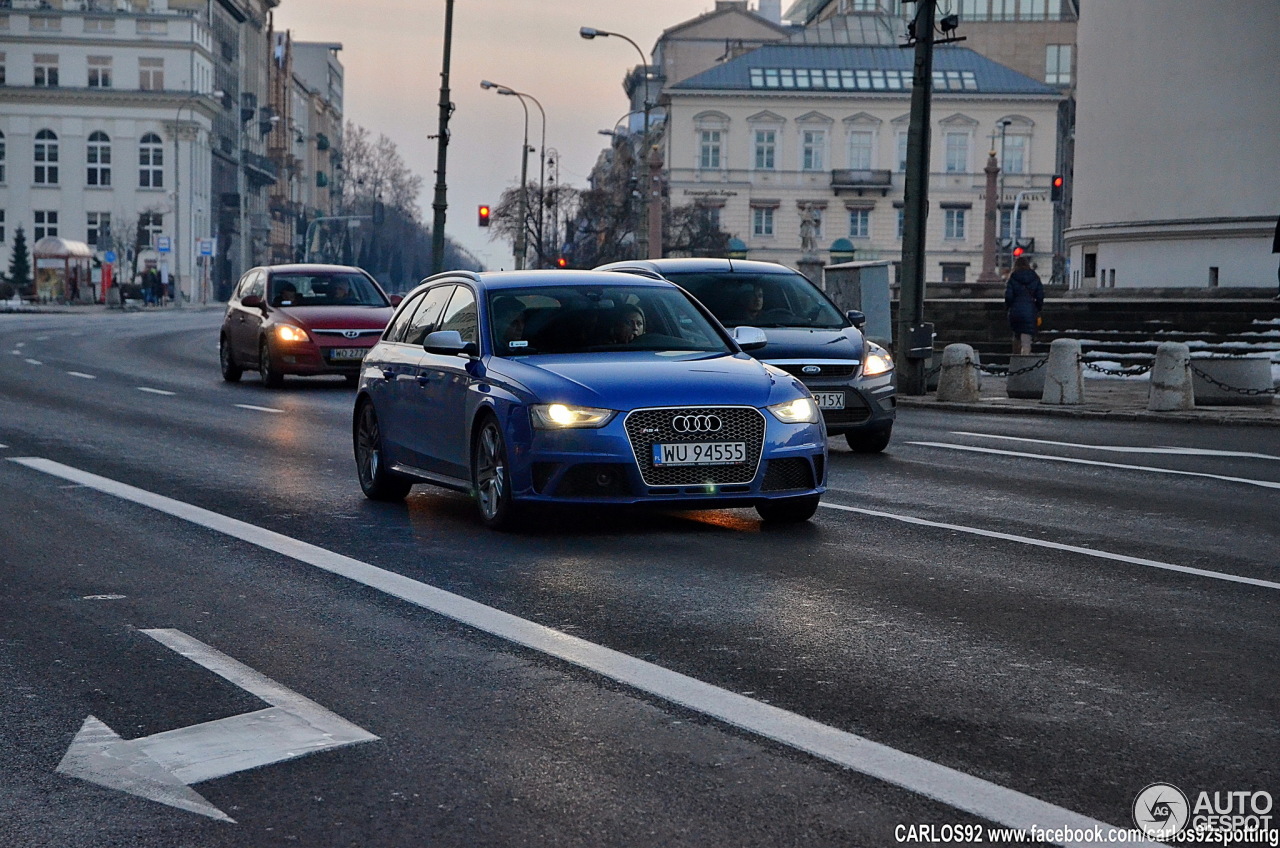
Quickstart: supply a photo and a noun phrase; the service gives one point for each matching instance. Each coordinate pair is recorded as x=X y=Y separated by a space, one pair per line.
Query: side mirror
x=856 y=318
x=750 y=338
x=448 y=343
x=397 y=299
x=253 y=301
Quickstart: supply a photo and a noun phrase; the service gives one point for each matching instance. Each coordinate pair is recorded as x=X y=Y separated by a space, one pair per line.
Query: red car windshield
x=324 y=289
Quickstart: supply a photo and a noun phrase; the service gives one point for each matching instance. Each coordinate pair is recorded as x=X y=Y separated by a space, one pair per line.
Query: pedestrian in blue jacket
x=1023 y=298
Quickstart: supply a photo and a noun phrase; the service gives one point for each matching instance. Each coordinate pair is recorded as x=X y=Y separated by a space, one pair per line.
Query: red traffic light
x=484 y=213
x=562 y=262
x=1018 y=251
x=1055 y=188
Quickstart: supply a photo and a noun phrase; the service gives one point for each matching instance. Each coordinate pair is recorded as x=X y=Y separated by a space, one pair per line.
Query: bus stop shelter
x=62 y=271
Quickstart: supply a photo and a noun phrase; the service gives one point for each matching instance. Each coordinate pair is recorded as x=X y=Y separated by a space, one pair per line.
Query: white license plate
x=829 y=400
x=348 y=352
x=700 y=453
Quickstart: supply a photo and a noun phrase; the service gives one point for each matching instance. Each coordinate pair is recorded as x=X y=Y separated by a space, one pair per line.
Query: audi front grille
x=648 y=427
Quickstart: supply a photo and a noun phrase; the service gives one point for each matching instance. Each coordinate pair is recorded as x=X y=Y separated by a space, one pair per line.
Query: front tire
x=377 y=482
x=788 y=510
x=873 y=442
x=271 y=378
x=491 y=477
x=230 y=371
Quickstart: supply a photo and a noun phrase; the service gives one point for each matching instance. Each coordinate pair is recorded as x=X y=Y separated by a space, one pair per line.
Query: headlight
x=290 y=333
x=878 y=361
x=798 y=411
x=561 y=416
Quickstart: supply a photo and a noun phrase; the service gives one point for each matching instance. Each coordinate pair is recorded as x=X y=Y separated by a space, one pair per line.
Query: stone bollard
x=1063 y=381
x=1028 y=384
x=958 y=379
x=1171 y=379
x=1250 y=373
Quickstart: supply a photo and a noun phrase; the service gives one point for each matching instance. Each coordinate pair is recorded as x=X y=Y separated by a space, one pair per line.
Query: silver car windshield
x=587 y=319
x=784 y=299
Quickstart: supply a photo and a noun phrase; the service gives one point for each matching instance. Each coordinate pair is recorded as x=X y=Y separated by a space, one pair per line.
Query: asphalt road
x=1001 y=620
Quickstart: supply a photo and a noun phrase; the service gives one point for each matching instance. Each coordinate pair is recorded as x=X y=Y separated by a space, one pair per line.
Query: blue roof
x=861 y=68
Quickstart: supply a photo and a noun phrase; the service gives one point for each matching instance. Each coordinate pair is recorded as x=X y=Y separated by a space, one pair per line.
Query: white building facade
x=787 y=133
x=1176 y=183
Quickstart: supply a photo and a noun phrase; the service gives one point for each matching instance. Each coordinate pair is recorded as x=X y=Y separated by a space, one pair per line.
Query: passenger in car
x=286 y=295
x=626 y=324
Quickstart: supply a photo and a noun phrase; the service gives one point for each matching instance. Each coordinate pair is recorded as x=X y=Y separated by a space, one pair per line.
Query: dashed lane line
x=1057 y=546
x=259 y=408
x=82 y=375
x=34 y=362
x=150 y=390
x=1123 y=448
x=915 y=774
x=1266 y=484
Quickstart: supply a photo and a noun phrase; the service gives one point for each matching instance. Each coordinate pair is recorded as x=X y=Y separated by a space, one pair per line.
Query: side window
x=395 y=330
x=257 y=284
x=242 y=290
x=461 y=315
x=425 y=319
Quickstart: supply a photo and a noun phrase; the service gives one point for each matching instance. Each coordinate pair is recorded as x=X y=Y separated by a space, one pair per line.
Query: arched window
x=151 y=162
x=99 y=159
x=46 y=158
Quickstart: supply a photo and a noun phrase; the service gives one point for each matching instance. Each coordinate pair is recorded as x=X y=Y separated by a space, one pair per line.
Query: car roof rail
x=473 y=276
x=643 y=272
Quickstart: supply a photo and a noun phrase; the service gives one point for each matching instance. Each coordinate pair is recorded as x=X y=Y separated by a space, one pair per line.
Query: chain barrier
x=1236 y=389
x=997 y=371
x=1117 y=372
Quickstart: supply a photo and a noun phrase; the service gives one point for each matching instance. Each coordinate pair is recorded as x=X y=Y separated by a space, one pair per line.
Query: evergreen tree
x=20 y=262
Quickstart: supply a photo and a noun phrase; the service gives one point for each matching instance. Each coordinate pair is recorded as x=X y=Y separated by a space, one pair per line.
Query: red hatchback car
x=304 y=320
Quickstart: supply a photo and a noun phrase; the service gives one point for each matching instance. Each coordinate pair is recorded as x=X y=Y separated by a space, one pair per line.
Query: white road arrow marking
x=161 y=767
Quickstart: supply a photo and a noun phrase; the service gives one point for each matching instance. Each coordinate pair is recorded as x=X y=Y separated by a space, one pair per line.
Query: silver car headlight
x=799 y=411
x=878 y=361
x=563 y=416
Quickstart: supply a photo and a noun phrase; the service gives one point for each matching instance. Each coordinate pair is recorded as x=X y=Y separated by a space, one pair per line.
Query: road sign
x=164 y=244
x=162 y=767
x=204 y=247
x=109 y=256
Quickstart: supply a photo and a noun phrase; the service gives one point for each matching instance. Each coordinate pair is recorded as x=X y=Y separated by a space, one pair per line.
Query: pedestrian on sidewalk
x=1275 y=248
x=1023 y=299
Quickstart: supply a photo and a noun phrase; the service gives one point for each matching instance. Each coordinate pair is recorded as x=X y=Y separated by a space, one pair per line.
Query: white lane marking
x=34 y=362
x=915 y=774
x=258 y=408
x=1057 y=546
x=4 y=447
x=82 y=375
x=155 y=391
x=162 y=766
x=1122 y=448
x=1266 y=484
x=20 y=344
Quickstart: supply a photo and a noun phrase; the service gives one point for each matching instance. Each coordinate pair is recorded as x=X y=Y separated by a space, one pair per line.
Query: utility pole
x=440 y=203
x=913 y=337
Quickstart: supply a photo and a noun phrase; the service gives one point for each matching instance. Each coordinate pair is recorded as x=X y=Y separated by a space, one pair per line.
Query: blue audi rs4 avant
x=581 y=387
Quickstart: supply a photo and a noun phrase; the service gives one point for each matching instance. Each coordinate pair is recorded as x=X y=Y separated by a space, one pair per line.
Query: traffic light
x=1055 y=188
x=1018 y=251
x=561 y=262
x=485 y=211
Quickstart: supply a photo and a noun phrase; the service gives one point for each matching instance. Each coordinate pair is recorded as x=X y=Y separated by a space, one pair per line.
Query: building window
x=2 y=71
x=46 y=70
x=42 y=24
x=99 y=25
x=955 y=224
x=709 y=149
x=146 y=27
x=865 y=5
x=813 y=145
x=860 y=143
x=953 y=272
x=762 y=221
x=1 y=226
x=766 y=150
x=46 y=158
x=100 y=72
x=152 y=225
x=1002 y=10
x=902 y=151
x=1015 y=154
x=1007 y=216
x=957 y=148
x=99 y=159
x=860 y=223
x=46 y=224
x=1033 y=10
x=151 y=162
x=151 y=74
x=973 y=10
x=1057 y=64
x=98 y=229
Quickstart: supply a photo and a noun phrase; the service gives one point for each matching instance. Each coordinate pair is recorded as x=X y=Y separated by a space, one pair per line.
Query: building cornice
x=1179 y=229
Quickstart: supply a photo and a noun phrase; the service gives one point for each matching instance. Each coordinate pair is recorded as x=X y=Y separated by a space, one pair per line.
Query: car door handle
x=424 y=379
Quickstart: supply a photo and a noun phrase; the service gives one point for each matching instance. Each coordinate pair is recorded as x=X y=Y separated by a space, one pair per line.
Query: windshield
x=324 y=289
x=581 y=319
x=782 y=299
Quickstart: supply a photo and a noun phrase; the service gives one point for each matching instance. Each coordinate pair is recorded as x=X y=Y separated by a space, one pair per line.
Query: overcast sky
x=392 y=54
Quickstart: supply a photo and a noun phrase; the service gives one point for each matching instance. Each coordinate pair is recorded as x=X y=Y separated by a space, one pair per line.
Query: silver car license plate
x=700 y=453
x=829 y=400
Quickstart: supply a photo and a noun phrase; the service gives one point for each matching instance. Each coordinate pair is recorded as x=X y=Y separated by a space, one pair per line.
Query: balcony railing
x=861 y=179
x=260 y=169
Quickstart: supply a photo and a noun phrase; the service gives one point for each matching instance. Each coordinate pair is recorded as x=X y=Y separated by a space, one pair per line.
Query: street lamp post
x=188 y=102
x=645 y=243
x=1000 y=261
x=542 y=156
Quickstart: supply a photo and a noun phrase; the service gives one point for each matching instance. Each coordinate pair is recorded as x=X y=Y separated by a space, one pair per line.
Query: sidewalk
x=1118 y=399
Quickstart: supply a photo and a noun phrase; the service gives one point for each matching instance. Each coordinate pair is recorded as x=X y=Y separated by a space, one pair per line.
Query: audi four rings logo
x=696 y=423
